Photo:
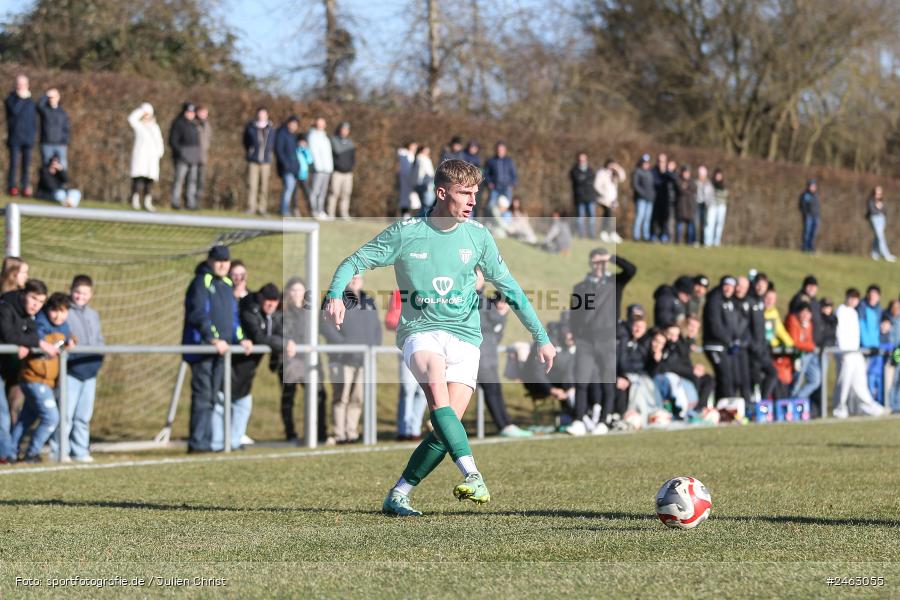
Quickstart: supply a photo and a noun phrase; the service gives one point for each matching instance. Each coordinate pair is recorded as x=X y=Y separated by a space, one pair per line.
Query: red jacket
x=803 y=336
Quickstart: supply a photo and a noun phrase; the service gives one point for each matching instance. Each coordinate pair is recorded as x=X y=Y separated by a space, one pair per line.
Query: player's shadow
x=126 y=504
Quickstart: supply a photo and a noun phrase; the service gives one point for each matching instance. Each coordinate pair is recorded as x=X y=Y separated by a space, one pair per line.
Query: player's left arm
x=496 y=271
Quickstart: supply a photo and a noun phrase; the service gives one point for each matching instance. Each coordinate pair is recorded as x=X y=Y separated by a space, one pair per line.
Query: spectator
x=828 y=324
x=360 y=326
x=606 y=186
x=807 y=294
x=500 y=175
x=698 y=293
x=237 y=273
x=453 y=150
x=52 y=184
x=780 y=343
x=881 y=372
x=583 y=194
x=148 y=149
x=81 y=376
x=877 y=219
x=676 y=377
x=808 y=376
x=893 y=313
x=293 y=319
x=759 y=352
x=204 y=130
x=644 y=198
x=210 y=317
x=635 y=389
x=406 y=156
x=259 y=141
x=344 y=151
x=493 y=312
x=665 y=178
x=21 y=127
x=715 y=212
x=422 y=174
x=14 y=275
x=472 y=155
x=720 y=336
x=870 y=312
x=287 y=161
x=685 y=207
x=17 y=326
x=851 y=393
x=705 y=194
x=323 y=165
x=742 y=334
x=520 y=225
x=39 y=375
x=54 y=128
x=559 y=237
x=304 y=165
x=184 y=140
x=810 y=212
x=593 y=318
x=670 y=302
x=411 y=401
x=258 y=324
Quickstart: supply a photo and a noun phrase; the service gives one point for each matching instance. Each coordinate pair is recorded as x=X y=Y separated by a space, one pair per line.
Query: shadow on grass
x=560 y=514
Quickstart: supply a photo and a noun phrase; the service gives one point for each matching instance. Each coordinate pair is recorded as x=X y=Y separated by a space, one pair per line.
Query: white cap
x=146 y=107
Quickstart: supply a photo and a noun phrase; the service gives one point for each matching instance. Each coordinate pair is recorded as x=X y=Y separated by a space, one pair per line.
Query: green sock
x=449 y=428
x=425 y=459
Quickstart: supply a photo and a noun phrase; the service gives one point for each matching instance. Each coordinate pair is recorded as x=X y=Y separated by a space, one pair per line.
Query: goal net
x=141 y=265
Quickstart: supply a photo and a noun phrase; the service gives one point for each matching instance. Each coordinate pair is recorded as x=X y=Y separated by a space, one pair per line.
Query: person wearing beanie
x=810 y=212
x=670 y=301
x=343 y=151
x=184 y=140
x=148 y=149
x=210 y=318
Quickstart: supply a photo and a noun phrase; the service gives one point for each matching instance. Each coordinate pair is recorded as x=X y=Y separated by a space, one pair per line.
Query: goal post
x=121 y=243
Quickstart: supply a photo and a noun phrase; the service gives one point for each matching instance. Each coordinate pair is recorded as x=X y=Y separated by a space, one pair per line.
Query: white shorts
x=461 y=357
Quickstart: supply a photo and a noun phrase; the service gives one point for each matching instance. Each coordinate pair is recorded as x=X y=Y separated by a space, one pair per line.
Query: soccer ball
x=683 y=503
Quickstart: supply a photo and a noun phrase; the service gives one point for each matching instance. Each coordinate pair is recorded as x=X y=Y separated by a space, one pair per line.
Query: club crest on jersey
x=465 y=255
x=442 y=285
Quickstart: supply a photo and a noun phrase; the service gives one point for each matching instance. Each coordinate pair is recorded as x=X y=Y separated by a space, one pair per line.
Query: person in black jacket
x=671 y=301
x=21 y=127
x=184 y=140
x=720 y=335
x=758 y=351
x=642 y=182
x=594 y=314
x=634 y=387
x=829 y=324
x=288 y=165
x=17 y=326
x=664 y=182
x=343 y=152
x=256 y=313
x=210 y=317
x=360 y=326
x=54 y=128
x=493 y=312
x=583 y=194
x=259 y=141
x=292 y=318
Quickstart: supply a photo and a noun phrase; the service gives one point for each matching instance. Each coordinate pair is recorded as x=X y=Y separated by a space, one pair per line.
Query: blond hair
x=458 y=171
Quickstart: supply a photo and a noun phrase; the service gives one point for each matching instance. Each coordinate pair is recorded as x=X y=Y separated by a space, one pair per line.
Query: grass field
x=792 y=505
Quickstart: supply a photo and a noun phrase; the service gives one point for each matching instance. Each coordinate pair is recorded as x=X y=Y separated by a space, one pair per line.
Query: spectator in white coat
x=323 y=166
x=148 y=150
x=606 y=184
x=851 y=390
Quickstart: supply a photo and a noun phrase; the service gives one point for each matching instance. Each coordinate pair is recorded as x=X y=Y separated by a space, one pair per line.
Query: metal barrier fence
x=370 y=378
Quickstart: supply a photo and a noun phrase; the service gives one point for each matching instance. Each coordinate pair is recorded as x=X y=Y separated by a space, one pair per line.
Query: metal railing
x=370 y=379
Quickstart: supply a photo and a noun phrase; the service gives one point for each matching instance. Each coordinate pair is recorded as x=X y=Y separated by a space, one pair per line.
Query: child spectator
x=828 y=322
x=304 y=166
x=14 y=274
x=53 y=184
x=81 y=377
x=39 y=375
x=808 y=376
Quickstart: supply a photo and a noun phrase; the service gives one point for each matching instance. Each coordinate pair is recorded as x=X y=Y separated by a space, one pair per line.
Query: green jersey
x=435 y=273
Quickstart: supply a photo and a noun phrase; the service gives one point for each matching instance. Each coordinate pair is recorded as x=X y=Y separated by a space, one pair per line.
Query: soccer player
x=434 y=260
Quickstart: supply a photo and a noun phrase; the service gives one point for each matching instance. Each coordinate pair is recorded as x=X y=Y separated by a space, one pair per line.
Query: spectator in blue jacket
x=500 y=176
x=81 y=377
x=21 y=126
x=54 y=128
x=304 y=168
x=870 y=312
x=810 y=212
x=259 y=141
x=288 y=165
x=210 y=317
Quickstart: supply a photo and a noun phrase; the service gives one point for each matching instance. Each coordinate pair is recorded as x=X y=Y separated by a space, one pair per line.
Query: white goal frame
x=15 y=212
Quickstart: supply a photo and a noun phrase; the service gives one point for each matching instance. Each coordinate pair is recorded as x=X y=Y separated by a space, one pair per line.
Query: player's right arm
x=380 y=251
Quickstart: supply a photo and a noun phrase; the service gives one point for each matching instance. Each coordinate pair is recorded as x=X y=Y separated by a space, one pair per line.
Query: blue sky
x=272 y=33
